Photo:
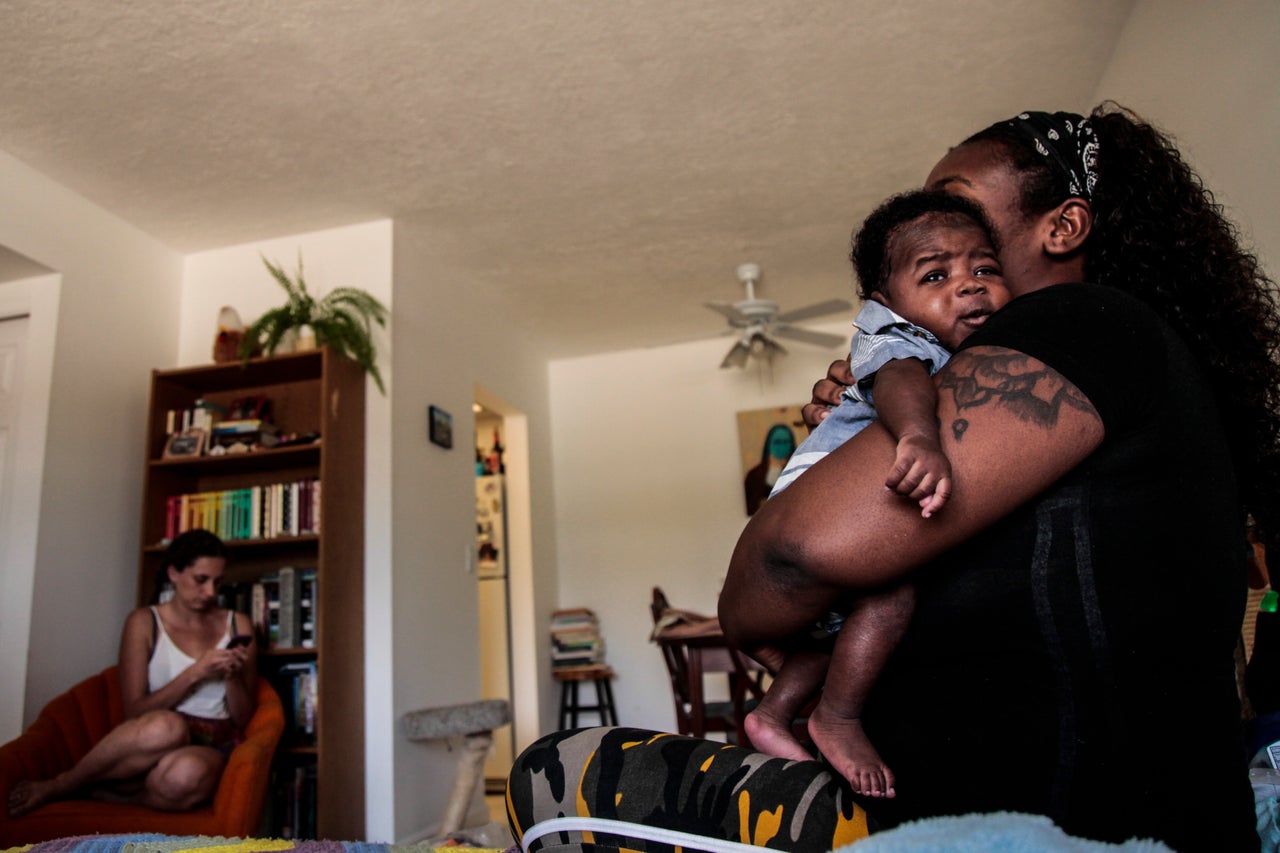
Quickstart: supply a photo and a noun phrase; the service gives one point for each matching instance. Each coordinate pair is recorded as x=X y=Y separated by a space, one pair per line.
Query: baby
x=927 y=267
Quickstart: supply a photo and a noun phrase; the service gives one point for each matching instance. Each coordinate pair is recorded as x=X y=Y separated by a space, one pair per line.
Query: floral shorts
x=222 y=735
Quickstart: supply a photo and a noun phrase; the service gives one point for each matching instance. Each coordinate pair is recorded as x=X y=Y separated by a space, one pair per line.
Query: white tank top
x=167 y=660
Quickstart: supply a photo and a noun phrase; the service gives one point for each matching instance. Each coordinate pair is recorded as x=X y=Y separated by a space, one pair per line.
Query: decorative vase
x=288 y=343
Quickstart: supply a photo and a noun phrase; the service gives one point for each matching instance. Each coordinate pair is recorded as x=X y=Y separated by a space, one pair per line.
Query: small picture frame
x=185 y=443
x=440 y=427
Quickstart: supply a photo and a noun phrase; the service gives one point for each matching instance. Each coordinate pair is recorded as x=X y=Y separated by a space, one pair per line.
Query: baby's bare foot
x=773 y=736
x=845 y=745
x=28 y=795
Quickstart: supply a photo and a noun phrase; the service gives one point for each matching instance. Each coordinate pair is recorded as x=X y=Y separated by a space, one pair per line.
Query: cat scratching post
x=472 y=723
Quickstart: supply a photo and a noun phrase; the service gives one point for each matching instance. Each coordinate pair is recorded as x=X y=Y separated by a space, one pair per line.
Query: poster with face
x=766 y=440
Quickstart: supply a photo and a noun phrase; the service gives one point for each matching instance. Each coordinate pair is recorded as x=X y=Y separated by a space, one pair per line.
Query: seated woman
x=188 y=670
x=1071 y=654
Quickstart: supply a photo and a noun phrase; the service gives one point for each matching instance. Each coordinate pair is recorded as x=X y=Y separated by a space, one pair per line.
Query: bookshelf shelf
x=259 y=460
x=245 y=545
x=292 y=652
x=321 y=392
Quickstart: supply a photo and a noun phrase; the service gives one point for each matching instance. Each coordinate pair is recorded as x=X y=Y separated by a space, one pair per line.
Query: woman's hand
x=241 y=682
x=826 y=392
x=236 y=660
x=219 y=664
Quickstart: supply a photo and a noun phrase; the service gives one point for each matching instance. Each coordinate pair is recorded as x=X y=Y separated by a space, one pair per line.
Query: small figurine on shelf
x=494 y=464
x=226 y=343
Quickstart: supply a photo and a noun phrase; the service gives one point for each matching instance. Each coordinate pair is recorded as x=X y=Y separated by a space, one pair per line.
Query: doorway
x=492 y=581
x=28 y=318
x=13 y=338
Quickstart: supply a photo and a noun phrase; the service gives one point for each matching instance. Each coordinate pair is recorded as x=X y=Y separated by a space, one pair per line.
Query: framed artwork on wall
x=440 y=426
x=766 y=439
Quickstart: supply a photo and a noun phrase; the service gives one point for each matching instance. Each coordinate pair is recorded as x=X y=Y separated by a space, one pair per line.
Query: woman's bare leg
x=768 y=726
x=868 y=638
x=130 y=749
x=183 y=778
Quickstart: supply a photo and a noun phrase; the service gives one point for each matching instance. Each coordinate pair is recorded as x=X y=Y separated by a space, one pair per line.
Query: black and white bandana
x=1068 y=141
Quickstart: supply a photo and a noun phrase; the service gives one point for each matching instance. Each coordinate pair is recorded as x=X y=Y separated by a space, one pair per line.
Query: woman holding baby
x=1079 y=598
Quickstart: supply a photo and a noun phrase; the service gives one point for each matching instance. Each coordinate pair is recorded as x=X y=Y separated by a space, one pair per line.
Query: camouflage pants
x=681 y=783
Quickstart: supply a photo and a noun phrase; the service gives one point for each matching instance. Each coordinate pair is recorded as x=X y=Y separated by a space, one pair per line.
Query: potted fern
x=343 y=318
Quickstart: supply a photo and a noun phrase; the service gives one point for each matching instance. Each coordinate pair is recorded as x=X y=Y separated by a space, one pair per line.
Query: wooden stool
x=570 y=706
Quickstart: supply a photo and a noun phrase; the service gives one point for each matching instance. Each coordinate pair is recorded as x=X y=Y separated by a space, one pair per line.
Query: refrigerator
x=495 y=657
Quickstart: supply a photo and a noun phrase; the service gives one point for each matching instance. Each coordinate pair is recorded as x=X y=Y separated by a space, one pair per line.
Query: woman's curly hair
x=1159 y=234
x=183 y=552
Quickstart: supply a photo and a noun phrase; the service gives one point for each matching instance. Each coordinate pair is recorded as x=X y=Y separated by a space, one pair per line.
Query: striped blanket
x=154 y=843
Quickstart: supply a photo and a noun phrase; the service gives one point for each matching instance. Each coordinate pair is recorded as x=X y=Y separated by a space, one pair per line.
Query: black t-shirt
x=1076 y=660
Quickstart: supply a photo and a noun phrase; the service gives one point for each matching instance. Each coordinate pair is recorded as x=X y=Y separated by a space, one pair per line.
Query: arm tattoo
x=1034 y=392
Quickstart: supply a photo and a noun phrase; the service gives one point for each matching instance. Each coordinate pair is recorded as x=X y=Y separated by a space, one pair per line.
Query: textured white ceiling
x=604 y=166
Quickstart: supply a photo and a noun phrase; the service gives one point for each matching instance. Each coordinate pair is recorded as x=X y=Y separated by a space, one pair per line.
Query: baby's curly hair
x=870 y=246
x=1160 y=235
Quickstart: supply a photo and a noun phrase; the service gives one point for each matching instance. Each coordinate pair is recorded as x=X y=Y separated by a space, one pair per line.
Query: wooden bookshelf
x=318 y=391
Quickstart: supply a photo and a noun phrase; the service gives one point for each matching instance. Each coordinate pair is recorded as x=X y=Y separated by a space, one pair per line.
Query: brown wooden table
x=703 y=646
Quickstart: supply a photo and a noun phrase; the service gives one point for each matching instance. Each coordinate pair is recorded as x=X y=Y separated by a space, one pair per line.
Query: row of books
x=284 y=608
x=297 y=686
x=291 y=808
x=281 y=605
x=256 y=512
x=575 y=638
x=203 y=415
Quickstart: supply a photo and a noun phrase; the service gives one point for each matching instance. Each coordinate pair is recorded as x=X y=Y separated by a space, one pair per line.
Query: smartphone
x=239 y=640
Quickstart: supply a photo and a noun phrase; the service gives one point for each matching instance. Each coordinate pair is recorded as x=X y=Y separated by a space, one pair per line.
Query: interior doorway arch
x=36 y=300
x=521 y=624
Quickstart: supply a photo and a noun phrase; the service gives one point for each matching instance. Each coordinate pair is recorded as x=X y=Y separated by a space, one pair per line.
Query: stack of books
x=246 y=432
x=575 y=638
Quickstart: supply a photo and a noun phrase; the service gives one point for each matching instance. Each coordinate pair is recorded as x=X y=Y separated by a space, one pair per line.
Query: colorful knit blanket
x=155 y=843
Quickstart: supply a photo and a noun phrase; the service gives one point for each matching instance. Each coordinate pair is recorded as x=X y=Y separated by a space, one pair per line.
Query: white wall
x=1209 y=74
x=115 y=321
x=37 y=299
x=450 y=337
x=649 y=489
x=354 y=256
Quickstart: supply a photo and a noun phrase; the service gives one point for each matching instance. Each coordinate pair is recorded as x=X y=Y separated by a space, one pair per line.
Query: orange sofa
x=73 y=722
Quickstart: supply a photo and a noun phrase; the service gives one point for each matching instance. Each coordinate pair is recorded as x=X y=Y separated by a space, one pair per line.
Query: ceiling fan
x=757 y=323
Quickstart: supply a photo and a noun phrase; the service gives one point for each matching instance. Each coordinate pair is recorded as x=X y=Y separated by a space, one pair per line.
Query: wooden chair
x=691 y=647
x=74 y=721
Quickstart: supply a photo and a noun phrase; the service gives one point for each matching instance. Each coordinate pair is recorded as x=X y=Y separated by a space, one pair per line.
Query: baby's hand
x=921 y=472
